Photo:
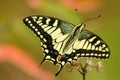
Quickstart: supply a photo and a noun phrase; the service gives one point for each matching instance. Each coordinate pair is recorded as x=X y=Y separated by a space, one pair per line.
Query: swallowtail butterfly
x=64 y=42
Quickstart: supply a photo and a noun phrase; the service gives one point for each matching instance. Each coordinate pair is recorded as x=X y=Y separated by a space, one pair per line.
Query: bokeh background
x=20 y=52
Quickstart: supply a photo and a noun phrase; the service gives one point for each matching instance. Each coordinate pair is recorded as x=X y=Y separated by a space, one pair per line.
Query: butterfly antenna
x=78 y=14
x=92 y=18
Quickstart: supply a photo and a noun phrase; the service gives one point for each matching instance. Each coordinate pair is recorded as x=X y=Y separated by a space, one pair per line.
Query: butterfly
x=63 y=42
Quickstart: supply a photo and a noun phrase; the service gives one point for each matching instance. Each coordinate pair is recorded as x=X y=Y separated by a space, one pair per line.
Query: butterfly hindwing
x=90 y=45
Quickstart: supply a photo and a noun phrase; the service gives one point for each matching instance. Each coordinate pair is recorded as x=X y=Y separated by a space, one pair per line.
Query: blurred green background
x=20 y=48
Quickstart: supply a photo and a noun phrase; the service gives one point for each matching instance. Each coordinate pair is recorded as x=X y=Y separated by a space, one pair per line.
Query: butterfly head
x=82 y=25
x=79 y=27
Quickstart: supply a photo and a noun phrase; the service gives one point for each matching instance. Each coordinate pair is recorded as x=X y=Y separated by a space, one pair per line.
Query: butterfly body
x=64 y=42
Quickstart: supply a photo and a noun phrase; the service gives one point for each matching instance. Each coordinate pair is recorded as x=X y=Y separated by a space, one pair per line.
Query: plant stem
x=83 y=70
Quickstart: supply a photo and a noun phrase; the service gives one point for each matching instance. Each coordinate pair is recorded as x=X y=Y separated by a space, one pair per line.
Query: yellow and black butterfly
x=64 y=42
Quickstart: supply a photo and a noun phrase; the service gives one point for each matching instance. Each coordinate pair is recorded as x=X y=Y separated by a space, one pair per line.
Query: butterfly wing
x=52 y=33
x=90 y=45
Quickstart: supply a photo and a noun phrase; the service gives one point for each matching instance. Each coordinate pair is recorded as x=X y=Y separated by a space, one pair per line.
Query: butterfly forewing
x=51 y=31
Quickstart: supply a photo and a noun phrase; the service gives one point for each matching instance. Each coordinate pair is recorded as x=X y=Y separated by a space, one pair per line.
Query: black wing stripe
x=52 y=21
x=46 y=36
x=95 y=40
x=92 y=53
x=44 y=20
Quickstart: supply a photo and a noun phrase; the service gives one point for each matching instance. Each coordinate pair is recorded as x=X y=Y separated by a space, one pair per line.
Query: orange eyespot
x=58 y=57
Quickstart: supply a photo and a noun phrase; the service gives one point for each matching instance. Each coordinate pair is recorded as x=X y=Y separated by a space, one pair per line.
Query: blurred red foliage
x=34 y=4
x=82 y=5
x=19 y=58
